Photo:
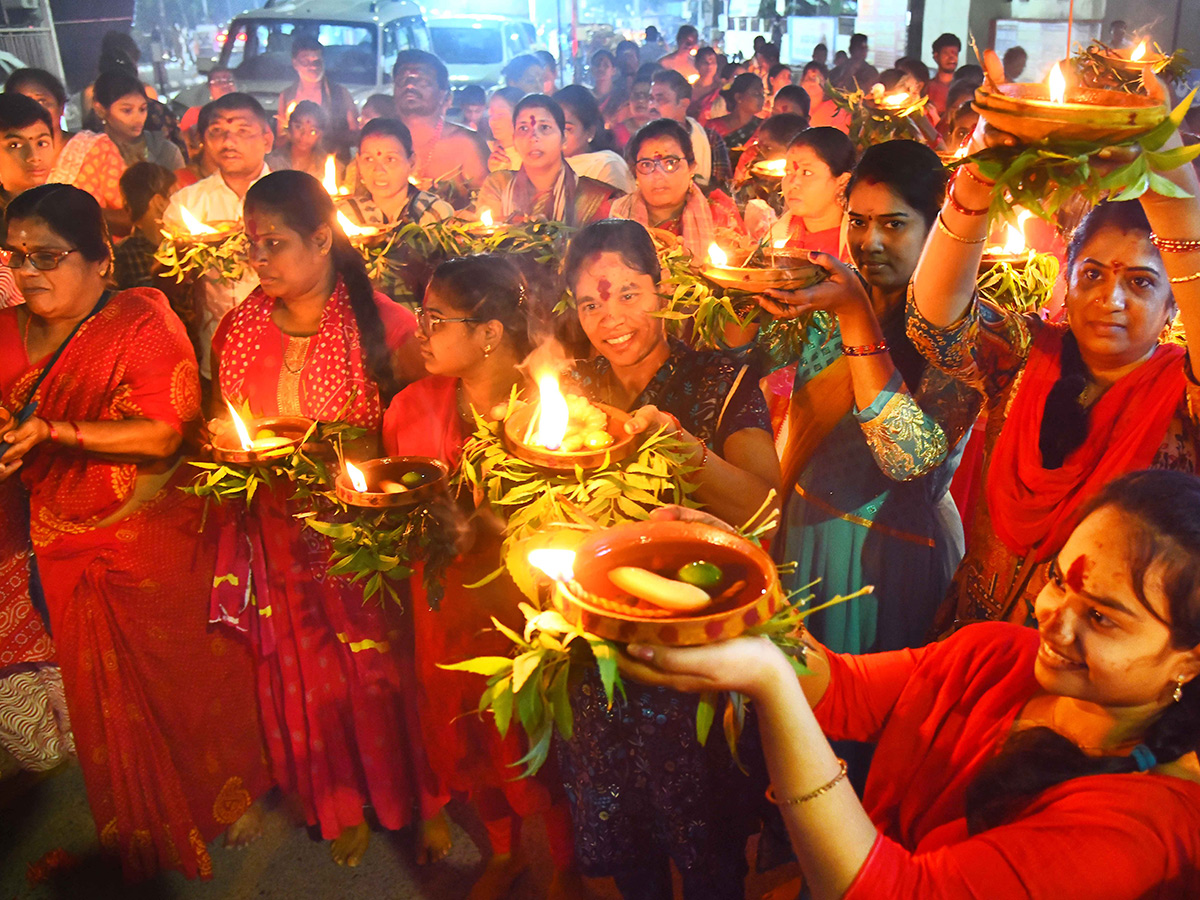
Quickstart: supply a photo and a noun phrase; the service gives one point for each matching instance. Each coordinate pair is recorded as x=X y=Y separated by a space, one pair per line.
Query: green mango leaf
x=502 y=706
x=1165 y=187
x=706 y=712
x=524 y=666
x=480 y=665
x=1165 y=160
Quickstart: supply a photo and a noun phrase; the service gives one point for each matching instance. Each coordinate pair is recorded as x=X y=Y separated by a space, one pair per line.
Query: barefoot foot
x=247 y=829
x=498 y=877
x=434 y=842
x=349 y=846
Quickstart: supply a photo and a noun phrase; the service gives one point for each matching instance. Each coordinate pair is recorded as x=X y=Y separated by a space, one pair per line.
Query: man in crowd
x=821 y=55
x=527 y=73
x=308 y=59
x=237 y=132
x=654 y=47
x=945 y=56
x=628 y=60
x=450 y=160
x=670 y=95
x=219 y=83
x=1015 y=59
x=687 y=41
x=856 y=73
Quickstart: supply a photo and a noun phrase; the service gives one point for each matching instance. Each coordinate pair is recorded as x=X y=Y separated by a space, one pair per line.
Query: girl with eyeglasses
x=666 y=197
x=545 y=188
x=334 y=683
x=474 y=335
x=158 y=701
x=304 y=148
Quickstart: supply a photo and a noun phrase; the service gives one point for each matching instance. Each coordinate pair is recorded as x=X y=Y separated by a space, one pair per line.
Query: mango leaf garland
x=182 y=258
x=1095 y=67
x=1022 y=289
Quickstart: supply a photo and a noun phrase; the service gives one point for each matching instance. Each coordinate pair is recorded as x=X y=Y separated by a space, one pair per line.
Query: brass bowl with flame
x=756 y=280
x=592 y=602
x=224 y=230
x=768 y=168
x=434 y=473
x=1093 y=114
x=1124 y=61
x=227 y=447
x=516 y=426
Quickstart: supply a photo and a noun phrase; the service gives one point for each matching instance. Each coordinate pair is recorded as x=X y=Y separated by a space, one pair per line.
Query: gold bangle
x=1184 y=279
x=811 y=795
x=976 y=176
x=1174 y=245
x=962 y=240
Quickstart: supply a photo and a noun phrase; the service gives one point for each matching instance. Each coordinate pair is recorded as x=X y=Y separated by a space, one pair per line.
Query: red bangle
x=976 y=176
x=53 y=430
x=78 y=436
x=958 y=207
x=675 y=419
x=866 y=349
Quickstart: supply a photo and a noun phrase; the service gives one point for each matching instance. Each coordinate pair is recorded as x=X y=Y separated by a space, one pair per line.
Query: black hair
x=814 y=65
x=519 y=65
x=413 y=57
x=651 y=32
x=302 y=42
x=111 y=86
x=305 y=206
x=217 y=70
x=960 y=92
x=541 y=101
x=857 y=39
x=72 y=214
x=602 y=54
x=777 y=69
x=685 y=32
x=1065 y=420
x=383 y=126
x=747 y=81
x=510 y=95
x=118 y=53
x=626 y=45
x=141 y=183
x=384 y=103
x=908 y=169
x=487 y=286
x=231 y=102
x=313 y=111
x=547 y=59
x=645 y=74
x=914 y=67
x=970 y=73
x=820 y=46
x=1163 y=511
x=19 y=111
x=706 y=51
x=661 y=128
x=471 y=94
x=675 y=81
x=625 y=237
x=946 y=40
x=583 y=105
x=834 y=148
x=39 y=78
x=796 y=94
x=1013 y=52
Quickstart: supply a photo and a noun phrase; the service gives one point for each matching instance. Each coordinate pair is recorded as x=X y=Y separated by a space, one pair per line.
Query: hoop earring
x=1178 y=695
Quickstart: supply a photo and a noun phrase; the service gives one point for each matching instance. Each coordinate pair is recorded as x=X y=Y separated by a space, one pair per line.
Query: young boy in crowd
x=146 y=190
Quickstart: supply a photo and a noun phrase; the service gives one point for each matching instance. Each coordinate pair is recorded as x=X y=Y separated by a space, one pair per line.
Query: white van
x=477 y=48
x=361 y=40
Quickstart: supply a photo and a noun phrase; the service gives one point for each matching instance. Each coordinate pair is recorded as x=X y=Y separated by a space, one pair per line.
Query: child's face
x=473 y=113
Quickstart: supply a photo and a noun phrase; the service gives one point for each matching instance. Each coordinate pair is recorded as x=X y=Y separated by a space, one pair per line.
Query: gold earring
x=487 y=351
x=1179 y=683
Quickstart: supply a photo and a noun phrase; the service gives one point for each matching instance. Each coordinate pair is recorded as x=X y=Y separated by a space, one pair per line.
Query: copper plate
x=623 y=445
x=393 y=468
x=228 y=449
x=594 y=604
x=1026 y=112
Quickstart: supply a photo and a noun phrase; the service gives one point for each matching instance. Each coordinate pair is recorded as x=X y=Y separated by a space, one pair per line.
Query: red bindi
x=604 y=287
x=1077 y=572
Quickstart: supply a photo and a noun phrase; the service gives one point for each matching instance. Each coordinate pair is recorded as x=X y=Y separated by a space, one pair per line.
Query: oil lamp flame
x=1139 y=53
x=692 y=79
x=553 y=414
x=357 y=479
x=287 y=115
x=194 y=225
x=485 y=218
x=557 y=564
x=1058 y=84
x=774 y=166
x=780 y=244
x=349 y=228
x=1015 y=243
x=329 y=182
x=896 y=99
x=717 y=256
x=240 y=426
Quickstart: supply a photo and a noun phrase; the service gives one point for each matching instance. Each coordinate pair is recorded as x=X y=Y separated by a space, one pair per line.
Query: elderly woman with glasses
x=103 y=387
x=666 y=196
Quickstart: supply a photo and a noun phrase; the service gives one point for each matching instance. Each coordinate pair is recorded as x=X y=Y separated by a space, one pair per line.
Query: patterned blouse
x=988 y=349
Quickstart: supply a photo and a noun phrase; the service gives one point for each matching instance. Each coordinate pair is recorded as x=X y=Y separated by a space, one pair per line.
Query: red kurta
x=938 y=714
x=465 y=750
x=160 y=704
x=334 y=683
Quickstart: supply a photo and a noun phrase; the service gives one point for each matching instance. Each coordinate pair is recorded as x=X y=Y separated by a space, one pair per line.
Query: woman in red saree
x=473 y=336
x=334 y=685
x=160 y=705
x=545 y=188
x=1074 y=404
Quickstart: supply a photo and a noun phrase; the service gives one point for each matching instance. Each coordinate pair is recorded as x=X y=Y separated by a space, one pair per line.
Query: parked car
x=477 y=48
x=361 y=40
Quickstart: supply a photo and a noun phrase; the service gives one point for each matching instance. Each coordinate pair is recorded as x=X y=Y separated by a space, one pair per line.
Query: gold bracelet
x=950 y=234
x=811 y=795
x=1174 y=245
x=1184 y=279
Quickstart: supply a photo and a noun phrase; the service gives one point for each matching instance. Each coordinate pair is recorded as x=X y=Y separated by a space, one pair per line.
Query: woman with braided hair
x=315 y=340
x=1011 y=762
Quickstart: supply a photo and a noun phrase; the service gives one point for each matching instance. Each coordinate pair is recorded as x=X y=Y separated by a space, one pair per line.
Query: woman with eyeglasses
x=644 y=792
x=666 y=197
x=104 y=386
x=474 y=335
x=315 y=340
x=545 y=188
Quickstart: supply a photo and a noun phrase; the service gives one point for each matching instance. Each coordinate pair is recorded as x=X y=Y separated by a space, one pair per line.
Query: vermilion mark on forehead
x=532 y=120
x=604 y=288
x=1077 y=572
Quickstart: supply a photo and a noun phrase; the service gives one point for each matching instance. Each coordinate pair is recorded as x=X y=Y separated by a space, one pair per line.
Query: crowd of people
x=194 y=659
